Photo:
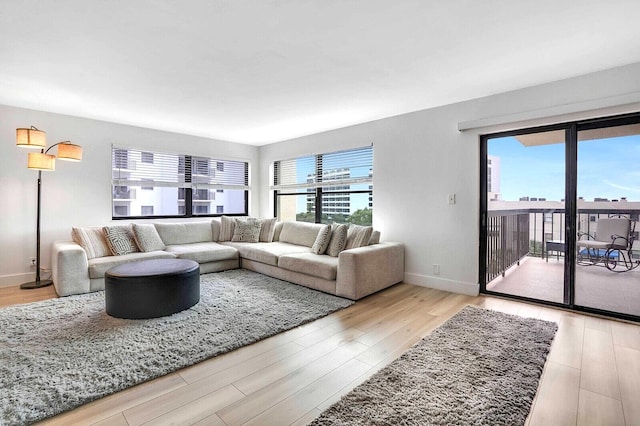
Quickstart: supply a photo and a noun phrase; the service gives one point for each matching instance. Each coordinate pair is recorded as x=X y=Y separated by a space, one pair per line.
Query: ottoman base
x=152 y=288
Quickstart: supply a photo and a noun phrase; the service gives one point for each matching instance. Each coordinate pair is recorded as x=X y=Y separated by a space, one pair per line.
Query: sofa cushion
x=92 y=240
x=120 y=239
x=317 y=265
x=247 y=230
x=203 y=252
x=185 y=232
x=100 y=265
x=300 y=233
x=266 y=252
x=358 y=236
x=322 y=240
x=147 y=237
x=338 y=240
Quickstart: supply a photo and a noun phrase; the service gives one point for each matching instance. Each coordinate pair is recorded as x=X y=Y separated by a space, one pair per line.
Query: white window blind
x=131 y=167
x=330 y=170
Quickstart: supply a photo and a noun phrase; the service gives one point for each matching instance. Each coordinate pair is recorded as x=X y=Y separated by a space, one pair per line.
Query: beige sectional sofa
x=285 y=250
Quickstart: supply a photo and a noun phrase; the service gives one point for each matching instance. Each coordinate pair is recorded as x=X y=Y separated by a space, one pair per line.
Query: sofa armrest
x=365 y=270
x=70 y=268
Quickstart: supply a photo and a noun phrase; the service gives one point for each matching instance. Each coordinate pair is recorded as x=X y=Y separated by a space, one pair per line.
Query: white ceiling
x=260 y=71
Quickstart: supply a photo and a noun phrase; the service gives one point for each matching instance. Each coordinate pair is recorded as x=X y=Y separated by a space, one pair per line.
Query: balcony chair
x=610 y=246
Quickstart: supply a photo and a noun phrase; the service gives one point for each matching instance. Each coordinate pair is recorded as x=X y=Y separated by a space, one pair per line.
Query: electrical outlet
x=436 y=269
x=32 y=261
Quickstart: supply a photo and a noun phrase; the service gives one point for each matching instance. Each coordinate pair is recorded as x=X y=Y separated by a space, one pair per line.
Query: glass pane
x=218 y=201
x=525 y=215
x=296 y=206
x=608 y=188
x=146 y=201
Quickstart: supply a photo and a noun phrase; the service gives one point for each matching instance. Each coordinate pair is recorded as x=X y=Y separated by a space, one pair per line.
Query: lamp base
x=36 y=284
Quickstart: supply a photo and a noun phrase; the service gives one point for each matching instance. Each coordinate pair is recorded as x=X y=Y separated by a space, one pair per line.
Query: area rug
x=479 y=368
x=61 y=353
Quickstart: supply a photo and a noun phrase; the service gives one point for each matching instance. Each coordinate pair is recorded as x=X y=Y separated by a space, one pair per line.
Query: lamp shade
x=69 y=152
x=39 y=161
x=31 y=138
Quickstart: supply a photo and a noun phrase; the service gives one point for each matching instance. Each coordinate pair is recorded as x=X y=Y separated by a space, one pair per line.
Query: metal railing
x=514 y=234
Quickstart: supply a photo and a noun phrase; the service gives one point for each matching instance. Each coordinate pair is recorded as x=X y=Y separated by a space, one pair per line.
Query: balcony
x=519 y=264
x=124 y=195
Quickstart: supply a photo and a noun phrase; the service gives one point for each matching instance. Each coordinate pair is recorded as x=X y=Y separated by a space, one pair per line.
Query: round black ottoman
x=151 y=288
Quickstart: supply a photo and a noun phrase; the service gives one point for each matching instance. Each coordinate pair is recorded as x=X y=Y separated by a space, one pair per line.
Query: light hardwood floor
x=592 y=375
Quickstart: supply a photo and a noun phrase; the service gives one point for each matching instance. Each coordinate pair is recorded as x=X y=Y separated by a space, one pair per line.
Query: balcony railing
x=515 y=233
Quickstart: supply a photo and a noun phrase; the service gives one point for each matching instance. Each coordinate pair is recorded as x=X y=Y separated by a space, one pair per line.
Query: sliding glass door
x=525 y=215
x=608 y=187
x=548 y=199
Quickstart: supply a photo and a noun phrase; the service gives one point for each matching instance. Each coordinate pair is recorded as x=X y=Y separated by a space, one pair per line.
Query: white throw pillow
x=358 y=236
x=227 y=226
x=92 y=240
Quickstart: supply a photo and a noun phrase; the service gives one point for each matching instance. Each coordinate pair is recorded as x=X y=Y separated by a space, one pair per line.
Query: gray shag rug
x=480 y=367
x=61 y=353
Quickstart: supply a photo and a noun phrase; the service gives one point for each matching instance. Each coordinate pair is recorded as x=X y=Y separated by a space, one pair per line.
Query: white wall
x=77 y=194
x=420 y=158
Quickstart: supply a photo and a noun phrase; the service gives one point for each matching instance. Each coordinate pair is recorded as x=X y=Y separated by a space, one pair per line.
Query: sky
x=607 y=168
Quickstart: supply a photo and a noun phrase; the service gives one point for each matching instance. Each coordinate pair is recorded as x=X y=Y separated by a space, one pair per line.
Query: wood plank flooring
x=592 y=375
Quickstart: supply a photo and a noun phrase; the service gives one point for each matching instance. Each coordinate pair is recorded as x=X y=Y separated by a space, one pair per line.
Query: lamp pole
x=38 y=282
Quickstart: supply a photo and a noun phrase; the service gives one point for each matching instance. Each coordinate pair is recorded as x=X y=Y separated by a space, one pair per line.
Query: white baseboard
x=16 y=279
x=470 y=289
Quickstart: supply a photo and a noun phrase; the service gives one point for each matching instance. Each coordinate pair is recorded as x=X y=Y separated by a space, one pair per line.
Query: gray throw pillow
x=247 y=230
x=338 y=240
x=147 y=237
x=322 y=240
x=120 y=239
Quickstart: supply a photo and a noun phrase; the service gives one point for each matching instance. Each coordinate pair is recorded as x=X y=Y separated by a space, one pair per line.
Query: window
x=325 y=188
x=147 y=186
x=176 y=185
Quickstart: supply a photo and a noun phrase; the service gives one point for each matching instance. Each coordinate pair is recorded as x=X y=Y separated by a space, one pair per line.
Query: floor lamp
x=34 y=138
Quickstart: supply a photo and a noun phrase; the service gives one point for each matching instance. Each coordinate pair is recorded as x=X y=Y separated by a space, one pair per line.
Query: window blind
x=134 y=167
x=329 y=170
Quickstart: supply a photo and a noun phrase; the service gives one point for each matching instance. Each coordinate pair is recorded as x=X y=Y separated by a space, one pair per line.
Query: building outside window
x=176 y=185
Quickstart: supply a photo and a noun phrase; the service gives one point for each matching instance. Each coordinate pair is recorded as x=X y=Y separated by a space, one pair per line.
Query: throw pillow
x=338 y=240
x=147 y=237
x=268 y=228
x=227 y=226
x=322 y=240
x=358 y=236
x=92 y=240
x=375 y=238
x=247 y=230
x=120 y=239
